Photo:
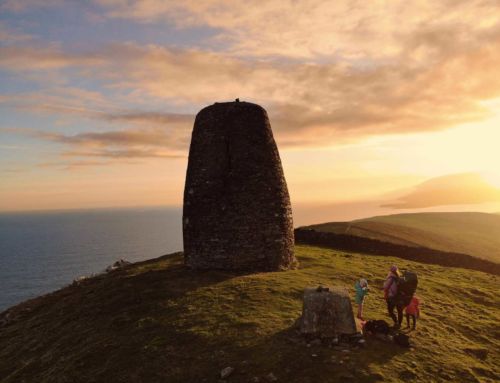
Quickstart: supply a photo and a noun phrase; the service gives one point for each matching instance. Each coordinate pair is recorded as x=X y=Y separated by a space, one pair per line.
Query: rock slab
x=327 y=312
x=237 y=213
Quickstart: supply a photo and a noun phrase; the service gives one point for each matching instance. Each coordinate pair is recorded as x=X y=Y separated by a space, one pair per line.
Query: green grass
x=158 y=322
x=476 y=234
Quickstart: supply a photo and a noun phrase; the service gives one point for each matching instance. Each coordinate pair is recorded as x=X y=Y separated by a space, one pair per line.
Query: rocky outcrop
x=237 y=213
x=327 y=312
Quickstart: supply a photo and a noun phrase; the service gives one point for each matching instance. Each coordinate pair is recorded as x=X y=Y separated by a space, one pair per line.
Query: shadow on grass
x=291 y=359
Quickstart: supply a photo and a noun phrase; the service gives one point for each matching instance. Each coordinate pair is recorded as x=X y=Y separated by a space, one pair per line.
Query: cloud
x=80 y=103
x=149 y=137
x=125 y=153
x=72 y=165
x=350 y=30
x=8 y=36
x=140 y=143
x=37 y=58
x=455 y=189
x=24 y=5
x=148 y=134
x=423 y=68
x=151 y=118
x=333 y=101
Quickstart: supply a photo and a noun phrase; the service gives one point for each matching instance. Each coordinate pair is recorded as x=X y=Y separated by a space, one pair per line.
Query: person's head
x=394 y=269
x=363 y=282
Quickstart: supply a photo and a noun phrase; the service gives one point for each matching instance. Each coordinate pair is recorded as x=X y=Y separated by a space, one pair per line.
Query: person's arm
x=387 y=284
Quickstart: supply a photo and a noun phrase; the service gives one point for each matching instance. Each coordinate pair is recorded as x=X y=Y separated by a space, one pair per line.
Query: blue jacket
x=360 y=292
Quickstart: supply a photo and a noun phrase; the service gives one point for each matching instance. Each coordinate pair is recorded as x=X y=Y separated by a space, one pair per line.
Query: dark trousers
x=391 y=305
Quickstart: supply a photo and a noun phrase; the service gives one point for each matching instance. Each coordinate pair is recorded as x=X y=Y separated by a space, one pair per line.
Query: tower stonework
x=237 y=213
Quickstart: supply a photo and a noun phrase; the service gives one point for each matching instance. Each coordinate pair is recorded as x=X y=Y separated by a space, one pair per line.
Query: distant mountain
x=451 y=189
x=475 y=234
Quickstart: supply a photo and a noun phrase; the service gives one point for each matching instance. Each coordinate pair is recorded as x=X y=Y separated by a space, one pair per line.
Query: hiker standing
x=361 y=288
x=390 y=292
x=413 y=311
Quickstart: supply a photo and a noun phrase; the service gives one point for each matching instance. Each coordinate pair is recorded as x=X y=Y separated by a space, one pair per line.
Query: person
x=413 y=311
x=390 y=295
x=361 y=288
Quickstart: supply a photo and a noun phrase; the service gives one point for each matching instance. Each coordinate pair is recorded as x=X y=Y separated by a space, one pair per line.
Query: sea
x=42 y=252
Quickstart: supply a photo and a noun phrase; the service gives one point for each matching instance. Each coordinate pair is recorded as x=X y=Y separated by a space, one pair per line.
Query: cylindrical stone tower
x=237 y=213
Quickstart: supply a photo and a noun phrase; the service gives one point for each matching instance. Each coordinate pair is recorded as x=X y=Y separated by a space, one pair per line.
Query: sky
x=377 y=107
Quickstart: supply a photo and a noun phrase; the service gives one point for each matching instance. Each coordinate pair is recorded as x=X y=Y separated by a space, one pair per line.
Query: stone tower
x=237 y=213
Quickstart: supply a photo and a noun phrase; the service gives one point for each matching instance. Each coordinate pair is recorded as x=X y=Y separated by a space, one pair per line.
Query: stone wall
x=237 y=213
x=376 y=247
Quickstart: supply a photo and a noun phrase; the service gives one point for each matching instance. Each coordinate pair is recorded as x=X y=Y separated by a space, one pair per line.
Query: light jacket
x=391 y=285
x=360 y=292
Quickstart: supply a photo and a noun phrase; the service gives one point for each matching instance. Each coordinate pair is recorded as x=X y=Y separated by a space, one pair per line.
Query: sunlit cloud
x=74 y=102
x=33 y=58
x=334 y=101
x=73 y=165
x=332 y=75
x=455 y=189
x=312 y=28
x=125 y=153
x=122 y=144
x=23 y=5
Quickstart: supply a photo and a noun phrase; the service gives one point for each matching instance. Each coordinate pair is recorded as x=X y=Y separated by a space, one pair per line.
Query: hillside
x=476 y=234
x=155 y=321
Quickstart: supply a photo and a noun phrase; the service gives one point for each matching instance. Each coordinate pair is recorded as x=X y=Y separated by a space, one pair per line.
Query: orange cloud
x=455 y=189
x=124 y=153
x=311 y=28
x=31 y=58
x=121 y=144
x=425 y=67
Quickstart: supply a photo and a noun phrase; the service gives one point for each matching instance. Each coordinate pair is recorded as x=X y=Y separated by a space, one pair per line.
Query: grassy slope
x=476 y=234
x=158 y=322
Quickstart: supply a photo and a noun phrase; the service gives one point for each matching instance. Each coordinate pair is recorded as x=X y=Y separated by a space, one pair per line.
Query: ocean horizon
x=43 y=251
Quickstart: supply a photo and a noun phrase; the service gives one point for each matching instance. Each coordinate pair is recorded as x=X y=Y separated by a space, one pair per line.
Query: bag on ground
x=376 y=327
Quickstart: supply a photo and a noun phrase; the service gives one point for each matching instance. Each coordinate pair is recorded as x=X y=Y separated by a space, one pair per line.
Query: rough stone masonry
x=237 y=213
x=327 y=312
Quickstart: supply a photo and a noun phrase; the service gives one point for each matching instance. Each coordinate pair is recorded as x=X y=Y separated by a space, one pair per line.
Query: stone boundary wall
x=375 y=247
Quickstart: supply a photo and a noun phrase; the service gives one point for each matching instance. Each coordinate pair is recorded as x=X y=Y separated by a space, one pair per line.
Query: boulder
x=117 y=265
x=327 y=312
x=225 y=372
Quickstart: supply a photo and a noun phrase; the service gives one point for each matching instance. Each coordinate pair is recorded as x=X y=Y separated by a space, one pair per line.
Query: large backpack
x=407 y=285
x=376 y=327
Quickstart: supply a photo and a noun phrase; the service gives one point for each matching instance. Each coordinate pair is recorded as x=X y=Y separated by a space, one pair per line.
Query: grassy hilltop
x=155 y=321
x=476 y=234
